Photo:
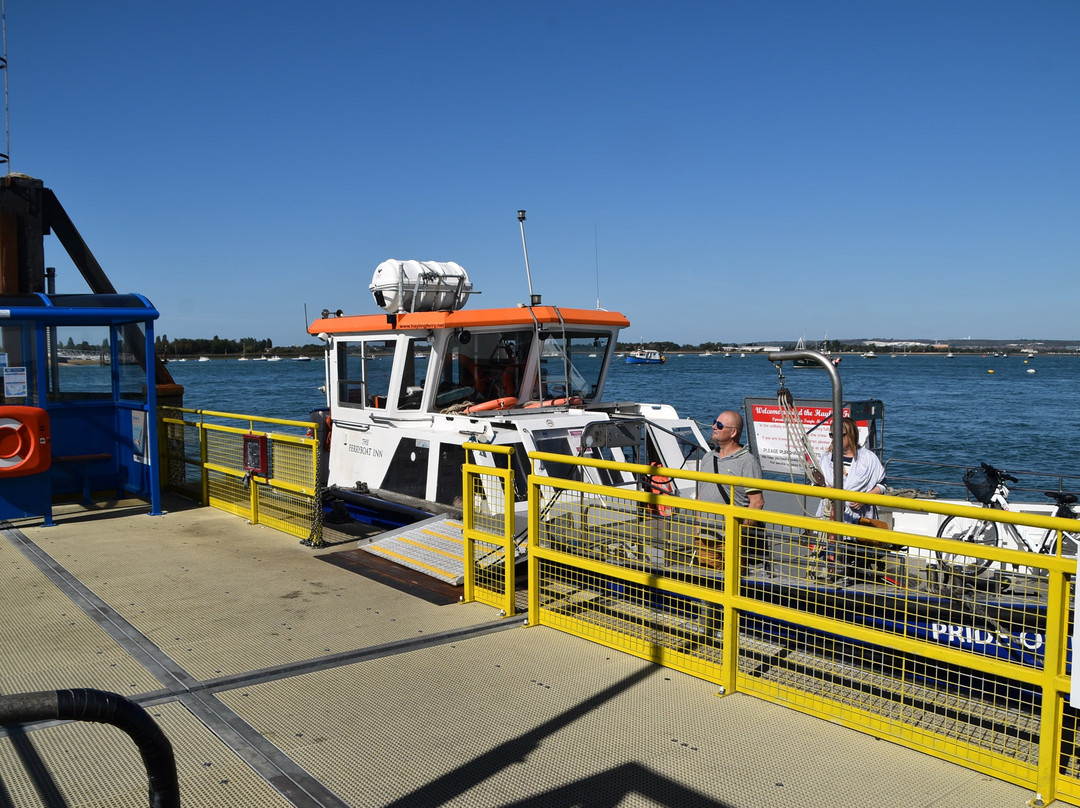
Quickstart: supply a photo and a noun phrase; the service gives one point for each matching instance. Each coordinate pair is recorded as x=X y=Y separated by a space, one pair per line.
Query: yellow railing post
x=467 y=527
x=731 y=587
x=509 y=523
x=1055 y=641
x=534 y=546
x=203 y=456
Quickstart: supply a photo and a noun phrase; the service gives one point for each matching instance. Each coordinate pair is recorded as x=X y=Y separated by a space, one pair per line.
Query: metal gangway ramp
x=434 y=547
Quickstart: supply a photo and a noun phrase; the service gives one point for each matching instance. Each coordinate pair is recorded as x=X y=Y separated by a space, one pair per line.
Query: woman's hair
x=851 y=432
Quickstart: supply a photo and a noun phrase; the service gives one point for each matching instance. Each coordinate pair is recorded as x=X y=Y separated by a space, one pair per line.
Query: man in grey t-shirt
x=728 y=456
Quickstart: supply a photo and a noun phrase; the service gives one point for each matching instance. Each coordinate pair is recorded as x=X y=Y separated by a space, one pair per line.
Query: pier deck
x=289 y=676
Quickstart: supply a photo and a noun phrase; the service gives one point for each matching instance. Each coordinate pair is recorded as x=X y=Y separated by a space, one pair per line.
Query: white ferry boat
x=407 y=387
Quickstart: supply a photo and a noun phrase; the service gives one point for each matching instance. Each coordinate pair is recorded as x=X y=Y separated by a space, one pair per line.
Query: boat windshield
x=571 y=365
x=491 y=363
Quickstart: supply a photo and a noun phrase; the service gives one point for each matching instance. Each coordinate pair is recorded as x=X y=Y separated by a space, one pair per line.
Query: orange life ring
x=658 y=484
x=504 y=403
x=24 y=441
x=555 y=402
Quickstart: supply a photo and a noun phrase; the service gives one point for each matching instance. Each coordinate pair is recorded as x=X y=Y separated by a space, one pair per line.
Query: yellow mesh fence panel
x=290 y=462
x=225 y=449
x=919 y=640
x=227 y=492
x=182 y=464
x=609 y=547
x=286 y=511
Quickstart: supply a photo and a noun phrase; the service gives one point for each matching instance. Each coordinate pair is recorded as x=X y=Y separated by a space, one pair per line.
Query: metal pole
x=528 y=273
x=838 y=413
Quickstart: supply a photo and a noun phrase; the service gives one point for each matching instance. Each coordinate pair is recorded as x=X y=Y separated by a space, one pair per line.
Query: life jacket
x=658 y=484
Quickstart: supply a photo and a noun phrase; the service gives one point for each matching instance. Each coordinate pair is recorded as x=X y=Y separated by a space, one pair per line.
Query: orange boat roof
x=424 y=320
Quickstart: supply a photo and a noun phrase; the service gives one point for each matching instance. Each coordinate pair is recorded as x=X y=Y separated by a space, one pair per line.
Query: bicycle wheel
x=973 y=531
x=1069 y=544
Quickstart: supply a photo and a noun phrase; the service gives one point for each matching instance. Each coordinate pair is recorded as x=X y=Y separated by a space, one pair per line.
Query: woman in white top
x=862 y=472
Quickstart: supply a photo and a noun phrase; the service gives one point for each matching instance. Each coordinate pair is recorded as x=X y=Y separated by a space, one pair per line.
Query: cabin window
x=417 y=357
x=520 y=462
x=688 y=444
x=571 y=365
x=608 y=476
x=555 y=441
x=364 y=372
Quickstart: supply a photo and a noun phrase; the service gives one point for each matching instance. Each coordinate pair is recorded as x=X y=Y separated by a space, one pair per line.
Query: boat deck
x=289 y=676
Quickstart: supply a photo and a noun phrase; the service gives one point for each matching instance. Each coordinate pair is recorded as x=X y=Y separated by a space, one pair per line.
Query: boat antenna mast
x=534 y=300
x=596 y=251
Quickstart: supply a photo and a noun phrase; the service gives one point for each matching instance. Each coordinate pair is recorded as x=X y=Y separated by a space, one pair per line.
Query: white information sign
x=779 y=452
x=14 y=382
x=774 y=450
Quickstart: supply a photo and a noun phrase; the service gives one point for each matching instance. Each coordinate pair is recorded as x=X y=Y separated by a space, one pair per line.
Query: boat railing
x=945 y=480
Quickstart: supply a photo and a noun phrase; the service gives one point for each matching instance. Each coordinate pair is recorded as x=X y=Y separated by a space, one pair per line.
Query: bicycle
x=988 y=485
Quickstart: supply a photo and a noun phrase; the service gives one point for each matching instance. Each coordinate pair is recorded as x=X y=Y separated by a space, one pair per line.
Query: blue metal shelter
x=78 y=408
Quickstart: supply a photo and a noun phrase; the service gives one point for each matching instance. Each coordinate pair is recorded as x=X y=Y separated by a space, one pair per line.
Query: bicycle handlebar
x=999 y=474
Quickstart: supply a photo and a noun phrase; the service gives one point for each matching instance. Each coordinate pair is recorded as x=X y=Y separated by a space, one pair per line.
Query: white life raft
x=400 y=286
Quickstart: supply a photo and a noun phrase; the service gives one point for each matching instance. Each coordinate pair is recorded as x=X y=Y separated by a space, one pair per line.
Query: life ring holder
x=24 y=441
x=504 y=403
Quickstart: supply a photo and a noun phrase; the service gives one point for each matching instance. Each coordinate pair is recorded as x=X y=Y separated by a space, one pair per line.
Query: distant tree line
x=838 y=346
x=215 y=346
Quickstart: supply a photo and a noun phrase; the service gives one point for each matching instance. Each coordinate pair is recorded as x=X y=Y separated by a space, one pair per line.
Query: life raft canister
x=25 y=443
x=658 y=484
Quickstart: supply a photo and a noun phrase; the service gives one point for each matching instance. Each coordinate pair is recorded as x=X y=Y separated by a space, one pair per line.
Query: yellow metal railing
x=914 y=647
x=488 y=518
x=235 y=463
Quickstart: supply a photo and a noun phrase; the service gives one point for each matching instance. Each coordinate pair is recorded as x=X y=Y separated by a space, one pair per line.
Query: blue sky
x=714 y=170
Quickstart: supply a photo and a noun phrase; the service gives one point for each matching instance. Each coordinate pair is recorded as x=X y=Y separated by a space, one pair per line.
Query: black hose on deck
x=99 y=706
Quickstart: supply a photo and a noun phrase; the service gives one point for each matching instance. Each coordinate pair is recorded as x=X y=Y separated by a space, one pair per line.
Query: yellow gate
x=488 y=517
x=268 y=477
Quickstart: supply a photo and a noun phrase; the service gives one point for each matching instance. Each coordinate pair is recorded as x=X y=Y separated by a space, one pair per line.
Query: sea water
x=941 y=409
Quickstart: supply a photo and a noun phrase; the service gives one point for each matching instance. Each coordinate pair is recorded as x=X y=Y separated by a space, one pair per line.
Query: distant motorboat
x=301 y=358
x=274 y=358
x=645 y=356
x=869 y=355
x=204 y=358
x=259 y=359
